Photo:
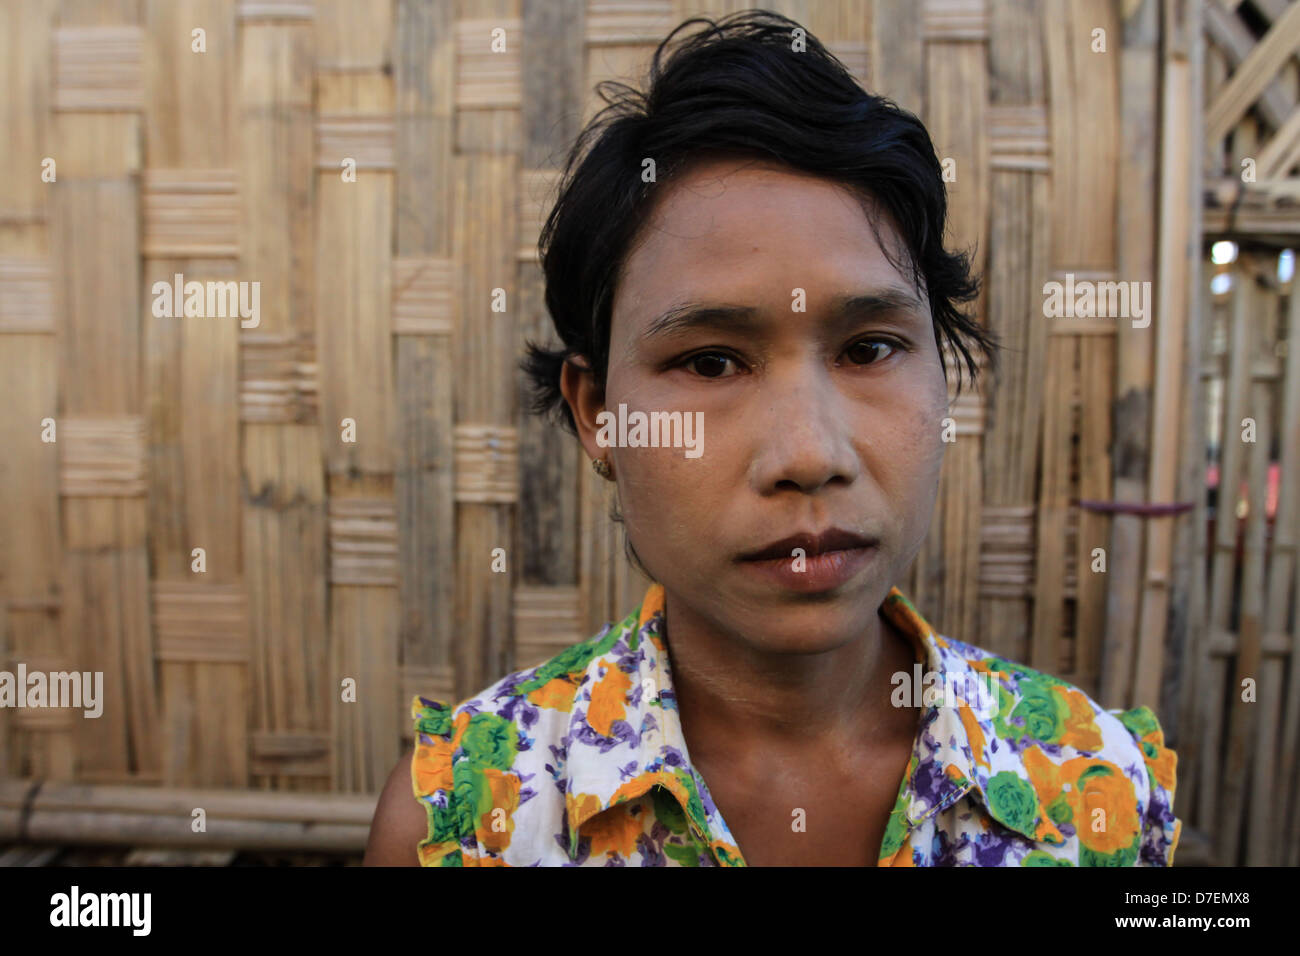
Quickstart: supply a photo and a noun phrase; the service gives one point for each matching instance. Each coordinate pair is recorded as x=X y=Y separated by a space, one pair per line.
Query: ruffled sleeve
x=431 y=778
x=1160 y=828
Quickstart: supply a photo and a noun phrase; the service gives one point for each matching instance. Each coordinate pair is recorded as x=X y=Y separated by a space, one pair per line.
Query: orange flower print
x=433 y=766
x=1043 y=774
x=1104 y=787
x=607 y=700
x=903 y=856
x=639 y=786
x=557 y=694
x=504 y=788
x=458 y=729
x=1164 y=765
x=431 y=854
x=579 y=808
x=614 y=831
x=1081 y=730
x=1049 y=783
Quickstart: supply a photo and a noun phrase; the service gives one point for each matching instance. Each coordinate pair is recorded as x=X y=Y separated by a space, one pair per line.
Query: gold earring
x=603 y=468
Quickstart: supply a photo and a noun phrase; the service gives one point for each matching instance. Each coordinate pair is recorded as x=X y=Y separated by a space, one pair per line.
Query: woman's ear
x=586 y=400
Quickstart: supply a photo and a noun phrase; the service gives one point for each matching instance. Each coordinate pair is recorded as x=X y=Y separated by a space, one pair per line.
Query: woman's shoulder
x=1089 y=765
x=521 y=697
x=478 y=755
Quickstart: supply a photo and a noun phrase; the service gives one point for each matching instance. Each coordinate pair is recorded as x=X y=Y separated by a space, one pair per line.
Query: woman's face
x=814 y=415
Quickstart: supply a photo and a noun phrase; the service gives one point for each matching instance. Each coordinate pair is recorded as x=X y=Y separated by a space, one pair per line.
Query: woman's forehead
x=732 y=231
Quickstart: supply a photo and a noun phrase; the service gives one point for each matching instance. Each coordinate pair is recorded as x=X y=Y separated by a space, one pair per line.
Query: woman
x=756 y=245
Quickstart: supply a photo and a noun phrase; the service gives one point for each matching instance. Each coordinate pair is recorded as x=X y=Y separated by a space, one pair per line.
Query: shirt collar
x=959 y=735
x=631 y=729
x=956 y=736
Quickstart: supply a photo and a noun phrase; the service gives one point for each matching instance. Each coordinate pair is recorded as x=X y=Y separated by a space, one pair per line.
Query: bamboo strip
x=1253 y=74
x=1053 y=503
x=354 y=293
x=1284 y=572
x=229 y=804
x=620 y=23
x=898 y=54
x=1223 y=559
x=1236 y=42
x=98 y=68
x=1265 y=814
x=1245 y=742
x=1136 y=248
x=1173 y=279
x=26 y=295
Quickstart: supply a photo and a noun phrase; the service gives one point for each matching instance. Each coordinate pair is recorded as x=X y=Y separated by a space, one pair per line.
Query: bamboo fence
x=1097 y=140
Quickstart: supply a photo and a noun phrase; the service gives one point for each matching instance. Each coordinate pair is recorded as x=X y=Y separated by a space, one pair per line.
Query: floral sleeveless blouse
x=581 y=761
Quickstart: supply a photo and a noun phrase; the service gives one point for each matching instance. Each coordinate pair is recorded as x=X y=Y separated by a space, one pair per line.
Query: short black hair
x=737 y=87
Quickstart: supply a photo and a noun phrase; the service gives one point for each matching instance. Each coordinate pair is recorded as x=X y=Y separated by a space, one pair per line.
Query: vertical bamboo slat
x=95 y=240
x=29 y=364
x=284 y=520
x=956 y=76
x=1242 y=715
x=1017 y=270
x=402 y=299
x=425 y=302
x=1173 y=279
x=1136 y=247
x=1285 y=574
x=354 y=269
x=546 y=533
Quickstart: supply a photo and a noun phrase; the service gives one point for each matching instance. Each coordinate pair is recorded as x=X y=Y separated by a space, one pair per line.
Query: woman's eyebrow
x=845 y=310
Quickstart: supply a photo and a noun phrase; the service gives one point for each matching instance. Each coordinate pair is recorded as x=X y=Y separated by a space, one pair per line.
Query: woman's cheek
x=650 y=490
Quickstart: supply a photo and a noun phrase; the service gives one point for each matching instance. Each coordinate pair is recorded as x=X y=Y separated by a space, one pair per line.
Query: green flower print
x=1043 y=711
x=443 y=825
x=490 y=741
x=1042 y=858
x=1012 y=801
x=1140 y=721
x=1058 y=811
x=576 y=657
x=1006 y=704
x=668 y=810
x=470 y=790
x=686 y=855
x=694 y=805
x=1125 y=856
x=434 y=721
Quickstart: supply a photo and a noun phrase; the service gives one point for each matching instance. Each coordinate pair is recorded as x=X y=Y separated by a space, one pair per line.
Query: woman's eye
x=867 y=351
x=709 y=364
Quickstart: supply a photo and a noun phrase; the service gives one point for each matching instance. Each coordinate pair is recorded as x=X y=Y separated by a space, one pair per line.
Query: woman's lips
x=821 y=572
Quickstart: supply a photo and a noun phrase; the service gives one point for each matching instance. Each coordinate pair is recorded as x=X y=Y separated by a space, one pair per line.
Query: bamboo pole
x=89 y=813
x=1242 y=712
x=1173 y=296
x=1286 y=540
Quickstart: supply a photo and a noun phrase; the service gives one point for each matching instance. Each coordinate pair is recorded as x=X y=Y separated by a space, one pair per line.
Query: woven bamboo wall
x=371 y=559
x=1243 y=781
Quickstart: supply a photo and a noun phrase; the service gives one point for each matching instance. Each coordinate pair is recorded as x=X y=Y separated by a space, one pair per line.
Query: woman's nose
x=806 y=440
